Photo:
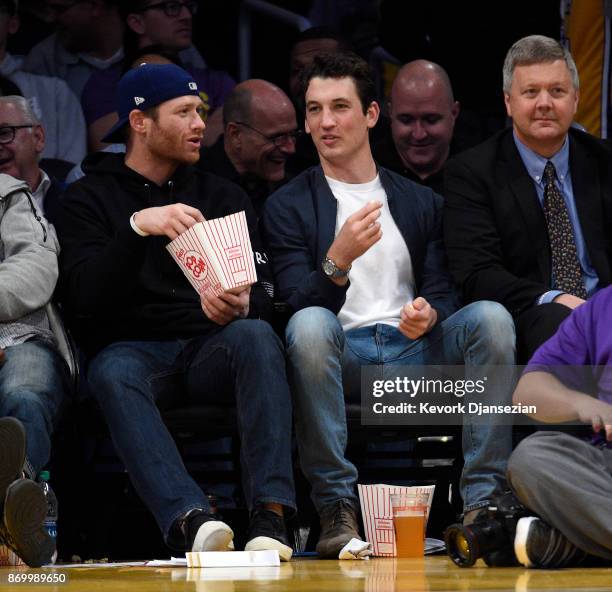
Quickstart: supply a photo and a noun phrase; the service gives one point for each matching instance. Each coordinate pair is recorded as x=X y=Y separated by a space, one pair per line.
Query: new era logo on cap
x=193 y=86
x=138 y=100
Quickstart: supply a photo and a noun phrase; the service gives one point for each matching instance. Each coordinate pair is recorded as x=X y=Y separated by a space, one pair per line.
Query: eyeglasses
x=7 y=132
x=277 y=139
x=173 y=8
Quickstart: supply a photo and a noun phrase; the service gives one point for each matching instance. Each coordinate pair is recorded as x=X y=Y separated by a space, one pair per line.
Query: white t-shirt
x=382 y=279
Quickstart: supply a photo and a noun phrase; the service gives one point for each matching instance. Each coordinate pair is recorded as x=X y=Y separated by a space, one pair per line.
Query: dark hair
x=342 y=65
x=323 y=33
x=130 y=6
x=130 y=37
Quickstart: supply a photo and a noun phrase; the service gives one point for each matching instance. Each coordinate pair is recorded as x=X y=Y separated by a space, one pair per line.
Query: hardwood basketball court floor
x=435 y=574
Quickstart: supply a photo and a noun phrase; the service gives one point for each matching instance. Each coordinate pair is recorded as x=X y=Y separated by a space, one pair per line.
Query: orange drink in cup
x=409 y=511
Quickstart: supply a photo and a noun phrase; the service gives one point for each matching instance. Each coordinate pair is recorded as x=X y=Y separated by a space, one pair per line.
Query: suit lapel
x=326 y=208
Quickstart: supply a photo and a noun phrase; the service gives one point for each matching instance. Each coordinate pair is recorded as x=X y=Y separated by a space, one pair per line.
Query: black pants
x=535 y=326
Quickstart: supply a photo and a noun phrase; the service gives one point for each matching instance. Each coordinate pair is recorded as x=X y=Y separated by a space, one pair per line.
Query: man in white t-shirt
x=357 y=254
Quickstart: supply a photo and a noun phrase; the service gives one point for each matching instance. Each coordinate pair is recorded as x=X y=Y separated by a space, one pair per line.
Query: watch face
x=328 y=267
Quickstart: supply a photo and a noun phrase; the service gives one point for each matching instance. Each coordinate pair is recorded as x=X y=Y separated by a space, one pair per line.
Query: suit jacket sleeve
x=290 y=239
x=474 y=246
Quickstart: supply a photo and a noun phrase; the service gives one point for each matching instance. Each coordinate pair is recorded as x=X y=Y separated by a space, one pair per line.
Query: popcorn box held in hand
x=378 y=515
x=216 y=255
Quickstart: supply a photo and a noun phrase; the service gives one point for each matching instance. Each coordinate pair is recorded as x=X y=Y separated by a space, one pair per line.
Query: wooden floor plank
x=434 y=574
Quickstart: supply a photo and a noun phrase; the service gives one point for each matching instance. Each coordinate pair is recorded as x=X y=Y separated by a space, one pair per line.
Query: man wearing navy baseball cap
x=149 y=336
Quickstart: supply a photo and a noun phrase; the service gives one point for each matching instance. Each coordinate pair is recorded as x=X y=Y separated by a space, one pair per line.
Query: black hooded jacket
x=117 y=285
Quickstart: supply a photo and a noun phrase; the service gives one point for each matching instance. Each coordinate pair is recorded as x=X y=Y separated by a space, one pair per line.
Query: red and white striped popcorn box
x=228 y=238
x=216 y=255
x=191 y=256
x=378 y=515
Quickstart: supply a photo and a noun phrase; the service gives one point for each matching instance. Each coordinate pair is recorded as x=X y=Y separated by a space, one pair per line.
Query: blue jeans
x=324 y=367
x=243 y=364
x=33 y=388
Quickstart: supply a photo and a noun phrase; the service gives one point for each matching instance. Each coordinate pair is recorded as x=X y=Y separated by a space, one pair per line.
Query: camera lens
x=466 y=544
x=461 y=545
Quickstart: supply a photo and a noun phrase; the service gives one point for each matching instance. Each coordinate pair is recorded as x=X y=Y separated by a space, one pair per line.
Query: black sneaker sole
x=12 y=452
x=25 y=510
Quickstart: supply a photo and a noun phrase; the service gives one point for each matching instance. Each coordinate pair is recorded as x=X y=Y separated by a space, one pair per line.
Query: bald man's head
x=423 y=113
x=260 y=129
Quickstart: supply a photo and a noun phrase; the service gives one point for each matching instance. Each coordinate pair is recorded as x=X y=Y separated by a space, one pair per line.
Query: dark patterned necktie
x=565 y=264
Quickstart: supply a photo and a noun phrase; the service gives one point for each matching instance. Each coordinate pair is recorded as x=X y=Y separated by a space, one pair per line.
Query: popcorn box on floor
x=268 y=558
x=378 y=516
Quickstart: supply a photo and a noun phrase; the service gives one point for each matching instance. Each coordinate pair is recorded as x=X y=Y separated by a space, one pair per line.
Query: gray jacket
x=28 y=265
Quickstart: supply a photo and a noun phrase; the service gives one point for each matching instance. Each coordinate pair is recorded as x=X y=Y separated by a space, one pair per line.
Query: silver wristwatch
x=331 y=270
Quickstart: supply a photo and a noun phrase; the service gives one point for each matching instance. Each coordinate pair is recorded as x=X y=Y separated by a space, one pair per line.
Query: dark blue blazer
x=299 y=223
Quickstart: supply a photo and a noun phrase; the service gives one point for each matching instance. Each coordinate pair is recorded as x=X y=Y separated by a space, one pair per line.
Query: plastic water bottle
x=51 y=520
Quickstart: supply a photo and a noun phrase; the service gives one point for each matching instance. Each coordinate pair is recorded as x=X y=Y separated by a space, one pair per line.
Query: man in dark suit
x=527 y=211
x=357 y=254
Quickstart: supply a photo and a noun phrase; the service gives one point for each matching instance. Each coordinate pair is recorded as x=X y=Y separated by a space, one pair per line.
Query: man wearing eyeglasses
x=33 y=377
x=260 y=135
x=22 y=141
x=89 y=38
x=168 y=23
x=167 y=27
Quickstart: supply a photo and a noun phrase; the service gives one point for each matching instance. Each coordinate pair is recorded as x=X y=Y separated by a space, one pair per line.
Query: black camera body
x=490 y=536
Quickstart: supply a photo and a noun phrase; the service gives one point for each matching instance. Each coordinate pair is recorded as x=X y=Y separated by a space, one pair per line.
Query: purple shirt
x=98 y=98
x=583 y=339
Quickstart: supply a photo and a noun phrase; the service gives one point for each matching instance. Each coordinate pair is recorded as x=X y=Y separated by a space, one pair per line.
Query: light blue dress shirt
x=534 y=163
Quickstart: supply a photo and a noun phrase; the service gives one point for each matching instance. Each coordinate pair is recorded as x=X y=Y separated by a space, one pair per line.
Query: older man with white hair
x=22 y=143
x=33 y=377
